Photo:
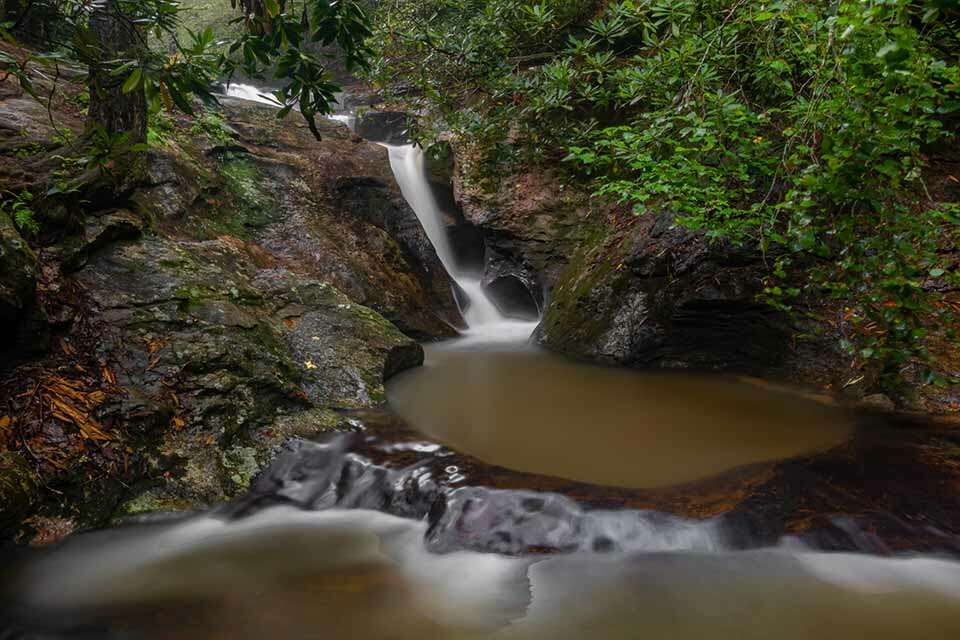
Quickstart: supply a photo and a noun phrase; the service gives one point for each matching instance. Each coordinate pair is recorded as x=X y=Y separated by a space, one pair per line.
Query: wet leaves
x=71 y=402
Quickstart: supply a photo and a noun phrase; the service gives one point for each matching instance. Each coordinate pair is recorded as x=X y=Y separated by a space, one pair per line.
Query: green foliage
x=801 y=127
x=210 y=124
x=17 y=206
x=286 y=31
x=180 y=64
x=98 y=154
x=159 y=129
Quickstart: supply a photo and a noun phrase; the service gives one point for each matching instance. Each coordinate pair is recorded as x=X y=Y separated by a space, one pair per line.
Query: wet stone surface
x=878 y=493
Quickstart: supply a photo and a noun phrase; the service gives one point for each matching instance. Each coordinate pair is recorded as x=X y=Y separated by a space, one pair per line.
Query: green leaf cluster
x=18 y=207
x=177 y=65
x=805 y=128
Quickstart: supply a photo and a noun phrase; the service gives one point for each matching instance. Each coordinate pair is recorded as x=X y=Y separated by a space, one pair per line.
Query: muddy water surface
x=529 y=410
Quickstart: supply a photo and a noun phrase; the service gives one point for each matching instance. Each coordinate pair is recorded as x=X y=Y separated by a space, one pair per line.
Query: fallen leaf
x=309 y=364
x=66 y=347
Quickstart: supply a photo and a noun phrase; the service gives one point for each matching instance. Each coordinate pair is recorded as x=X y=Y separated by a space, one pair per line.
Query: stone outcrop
x=530 y=225
x=657 y=295
x=642 y=291
x=253 y=286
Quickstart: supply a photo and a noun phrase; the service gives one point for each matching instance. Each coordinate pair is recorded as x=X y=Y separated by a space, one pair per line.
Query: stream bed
x=508 y=493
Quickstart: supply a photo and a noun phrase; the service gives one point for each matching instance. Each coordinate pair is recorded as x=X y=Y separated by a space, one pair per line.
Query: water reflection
x=533 y=411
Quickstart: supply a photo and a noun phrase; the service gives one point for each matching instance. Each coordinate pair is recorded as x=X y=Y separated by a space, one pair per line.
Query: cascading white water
x=484 y=320
x=252 y=93
x=485 y=323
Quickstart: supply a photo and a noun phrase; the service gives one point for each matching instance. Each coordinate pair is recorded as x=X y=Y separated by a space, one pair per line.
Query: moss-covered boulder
x=255 y=284
x=652 y=294
x=223 y=348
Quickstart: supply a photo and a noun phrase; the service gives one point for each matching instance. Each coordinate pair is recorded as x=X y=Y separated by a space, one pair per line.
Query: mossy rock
x=18 y=271
x=18 y=488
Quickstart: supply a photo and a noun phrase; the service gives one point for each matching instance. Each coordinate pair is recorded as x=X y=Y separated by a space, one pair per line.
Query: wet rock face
x=531 y=224
x=328 y=209
x=619 y=289
x=662 y=296
x=245 y=292
x=203 y=338
x=842 y=499
x=388 y=127
x=513 y=297
x=376 y=201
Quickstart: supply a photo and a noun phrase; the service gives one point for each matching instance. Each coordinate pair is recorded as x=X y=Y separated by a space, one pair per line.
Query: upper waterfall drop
x=484 y=320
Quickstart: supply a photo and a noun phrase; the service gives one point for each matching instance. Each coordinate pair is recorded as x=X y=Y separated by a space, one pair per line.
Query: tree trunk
x=110 y=108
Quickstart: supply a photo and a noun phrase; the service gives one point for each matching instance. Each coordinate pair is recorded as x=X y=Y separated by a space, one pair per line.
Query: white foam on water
x=665 y=592
x=263 y=96
x=252 y=93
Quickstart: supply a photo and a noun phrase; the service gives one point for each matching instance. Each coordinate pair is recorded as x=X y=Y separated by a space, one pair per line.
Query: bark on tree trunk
x=111 y=108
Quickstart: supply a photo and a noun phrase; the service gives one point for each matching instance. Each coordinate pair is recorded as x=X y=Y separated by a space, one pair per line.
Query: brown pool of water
x=534 y=411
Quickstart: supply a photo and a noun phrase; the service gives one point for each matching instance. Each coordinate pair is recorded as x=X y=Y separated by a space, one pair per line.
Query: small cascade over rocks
x=484 y=320
x=322 y=476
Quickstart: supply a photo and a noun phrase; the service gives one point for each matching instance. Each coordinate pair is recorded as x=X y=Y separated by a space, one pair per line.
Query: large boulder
x=628 y=290
x=256 y=284
x=211 y=351
x=657 y=295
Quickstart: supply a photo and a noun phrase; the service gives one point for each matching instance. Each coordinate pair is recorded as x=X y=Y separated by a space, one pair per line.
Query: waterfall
x=484 y=320
x=485 y=323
